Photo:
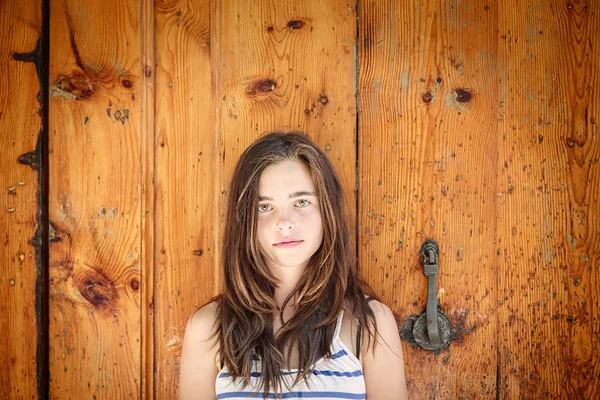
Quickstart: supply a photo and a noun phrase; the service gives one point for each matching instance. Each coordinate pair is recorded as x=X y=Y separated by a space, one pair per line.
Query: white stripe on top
x=338 y=377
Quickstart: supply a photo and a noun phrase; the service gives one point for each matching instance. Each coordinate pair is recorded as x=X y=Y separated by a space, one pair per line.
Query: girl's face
x=288 y=210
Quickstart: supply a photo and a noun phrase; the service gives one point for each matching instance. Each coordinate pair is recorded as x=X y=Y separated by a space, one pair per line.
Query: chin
x=290 y=262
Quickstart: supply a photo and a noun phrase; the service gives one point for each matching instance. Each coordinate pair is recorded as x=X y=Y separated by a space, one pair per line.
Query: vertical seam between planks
x=142 y=180
x=215 y=95
x=214 y=58
x=153 y=116
x=147 y=24
x=357 y=135
x=219 y=125
x=496 y=270
x=43 y=348
x=498 y=373
x=217 y=78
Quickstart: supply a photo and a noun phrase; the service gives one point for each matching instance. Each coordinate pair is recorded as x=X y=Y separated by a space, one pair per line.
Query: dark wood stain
x=36 y=56
x=295 y=24
x=31 y=159
x=463 y=96
x=427 y=97
x=75 y=84
x=72 y=38
x=261 y=86
x=40 y=58
x=460 y=325
x=97 y=288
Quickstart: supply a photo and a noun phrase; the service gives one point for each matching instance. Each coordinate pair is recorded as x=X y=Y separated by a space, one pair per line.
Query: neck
x=288 y=278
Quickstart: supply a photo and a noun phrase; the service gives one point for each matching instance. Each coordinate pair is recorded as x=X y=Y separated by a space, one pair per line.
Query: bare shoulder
x=378 y=307
x=383 y=316
x=199 y=365
x=202 y=321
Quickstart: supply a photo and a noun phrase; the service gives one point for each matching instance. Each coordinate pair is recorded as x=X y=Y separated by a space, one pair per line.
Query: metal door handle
x=431 y=330
x=430 y=268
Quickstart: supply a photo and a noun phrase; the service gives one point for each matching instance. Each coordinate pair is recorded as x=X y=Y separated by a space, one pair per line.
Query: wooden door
x=21 y=223
x=471 y=123
x=477 y=129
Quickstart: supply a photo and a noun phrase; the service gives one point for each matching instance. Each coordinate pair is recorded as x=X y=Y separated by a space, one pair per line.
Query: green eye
x=265 y=207
x=262 y=209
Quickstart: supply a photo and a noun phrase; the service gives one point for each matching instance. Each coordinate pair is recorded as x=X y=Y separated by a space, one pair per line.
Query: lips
x=288 y=241
x=288 y=244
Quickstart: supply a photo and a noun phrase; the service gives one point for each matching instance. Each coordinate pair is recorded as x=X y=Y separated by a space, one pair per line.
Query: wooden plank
x=95 y=199
x=147 y=246
x=427 y=161
x=548 y=189
x=185 y=170
x=287 y=66
x=20 y=169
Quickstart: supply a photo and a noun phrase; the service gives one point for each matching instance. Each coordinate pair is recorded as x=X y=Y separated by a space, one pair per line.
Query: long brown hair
x=246 y=305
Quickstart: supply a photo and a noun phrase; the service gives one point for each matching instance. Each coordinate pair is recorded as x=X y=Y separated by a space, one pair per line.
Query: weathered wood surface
x=477 y=127
x=20 y=257
x=147 y=167
x=547 y=210
x=95 y=200
x=427 y=170
x=286 y=66
x=185 y=179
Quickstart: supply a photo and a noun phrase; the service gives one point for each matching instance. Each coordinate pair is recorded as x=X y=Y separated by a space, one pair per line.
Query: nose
x=284 y=223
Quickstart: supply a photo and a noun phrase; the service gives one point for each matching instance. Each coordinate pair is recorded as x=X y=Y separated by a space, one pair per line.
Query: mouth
x=288 y=244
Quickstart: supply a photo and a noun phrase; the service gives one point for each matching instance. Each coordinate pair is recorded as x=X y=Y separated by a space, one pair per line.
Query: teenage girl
x=293 y=319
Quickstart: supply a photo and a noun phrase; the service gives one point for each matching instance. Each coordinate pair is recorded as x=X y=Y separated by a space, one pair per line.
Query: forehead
x=287 y=176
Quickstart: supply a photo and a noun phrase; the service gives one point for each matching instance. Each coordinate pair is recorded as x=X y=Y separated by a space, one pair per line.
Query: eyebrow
x=291 y=196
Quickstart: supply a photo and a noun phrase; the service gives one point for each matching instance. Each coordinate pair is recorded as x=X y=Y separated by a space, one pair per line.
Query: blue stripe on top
x=339 y=354
x=295 y=395
x=349 y=374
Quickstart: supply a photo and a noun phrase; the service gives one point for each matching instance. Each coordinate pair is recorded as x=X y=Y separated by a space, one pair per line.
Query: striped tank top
x=338 y=377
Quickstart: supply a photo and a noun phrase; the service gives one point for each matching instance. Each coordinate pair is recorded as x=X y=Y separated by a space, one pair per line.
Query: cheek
x=260 y=230
x=316 y=223
x=264 y=232
x=263 y=224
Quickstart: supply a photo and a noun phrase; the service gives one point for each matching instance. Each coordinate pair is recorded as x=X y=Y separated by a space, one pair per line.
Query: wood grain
x=20 y=169
x=148 y=159
x=548 y=213
x=476 y=125
x=427 y=160
x=95 y=200
x=185 y=174
x=287 y=66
